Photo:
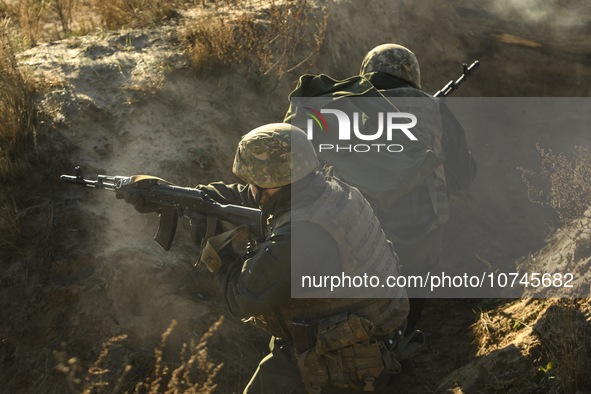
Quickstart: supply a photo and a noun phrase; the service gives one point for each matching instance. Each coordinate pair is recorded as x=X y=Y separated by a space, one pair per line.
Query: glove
x=139 y=203
x=198 y=224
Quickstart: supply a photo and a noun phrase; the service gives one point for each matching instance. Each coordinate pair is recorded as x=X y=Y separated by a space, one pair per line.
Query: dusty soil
x=130 y=104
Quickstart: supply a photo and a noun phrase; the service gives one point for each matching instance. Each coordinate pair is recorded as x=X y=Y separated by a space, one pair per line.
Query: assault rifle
x=174 y=201
x=453 y=85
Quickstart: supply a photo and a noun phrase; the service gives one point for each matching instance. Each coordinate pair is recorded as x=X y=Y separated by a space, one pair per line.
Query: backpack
x=384 y=176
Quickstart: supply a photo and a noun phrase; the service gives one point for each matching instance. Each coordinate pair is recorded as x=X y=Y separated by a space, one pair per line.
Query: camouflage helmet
x=395 y=60
x=274 y=155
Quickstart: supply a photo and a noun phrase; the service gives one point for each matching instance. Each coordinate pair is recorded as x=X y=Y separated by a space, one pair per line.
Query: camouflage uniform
x=260 y=286
x=394 y=70
x=412 y=217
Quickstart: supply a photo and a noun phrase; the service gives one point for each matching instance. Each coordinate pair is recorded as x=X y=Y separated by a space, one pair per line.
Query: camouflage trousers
x=417 y=259
x=278 y=373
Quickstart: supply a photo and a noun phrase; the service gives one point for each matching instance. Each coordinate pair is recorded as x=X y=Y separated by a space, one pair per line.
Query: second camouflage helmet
x=395 y=60
x=274 y=155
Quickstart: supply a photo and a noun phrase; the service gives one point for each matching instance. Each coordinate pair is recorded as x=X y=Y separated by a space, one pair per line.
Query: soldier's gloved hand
x=198 y=223
x=139 y=203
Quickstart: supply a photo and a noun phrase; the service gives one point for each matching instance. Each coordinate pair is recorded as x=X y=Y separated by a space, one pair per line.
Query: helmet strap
x=260 y=190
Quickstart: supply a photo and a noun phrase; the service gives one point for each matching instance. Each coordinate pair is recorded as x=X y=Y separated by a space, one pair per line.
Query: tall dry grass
x=269 y=38
x=115 y=14
x=565 y=329
x=17 y=113
x=565 y=182
x=194 y=374
x=31 y=218
x=270 y=41
x=31 y=157
x=44 y=20
x=19 y=151
x=565 y=332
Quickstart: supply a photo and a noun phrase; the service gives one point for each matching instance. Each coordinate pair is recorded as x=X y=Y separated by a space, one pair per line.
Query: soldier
x=409 y=189
x=318 y=344
x=394 y=71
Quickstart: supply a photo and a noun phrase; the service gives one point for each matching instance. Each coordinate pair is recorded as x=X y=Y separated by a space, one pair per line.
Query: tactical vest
x=426 y=207
x=345 y=214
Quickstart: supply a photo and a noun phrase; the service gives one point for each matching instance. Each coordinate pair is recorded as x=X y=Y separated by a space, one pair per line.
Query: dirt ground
x=130 y=104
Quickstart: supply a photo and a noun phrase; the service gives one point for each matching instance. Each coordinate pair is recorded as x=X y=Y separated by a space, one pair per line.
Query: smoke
x=558 y=13
x=527 y=10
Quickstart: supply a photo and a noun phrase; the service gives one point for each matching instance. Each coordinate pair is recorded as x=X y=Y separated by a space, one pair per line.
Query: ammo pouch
x=346 y=354
x=213 y=245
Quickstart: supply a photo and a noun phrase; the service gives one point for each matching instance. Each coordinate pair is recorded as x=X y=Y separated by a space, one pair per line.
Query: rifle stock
x=174 y=201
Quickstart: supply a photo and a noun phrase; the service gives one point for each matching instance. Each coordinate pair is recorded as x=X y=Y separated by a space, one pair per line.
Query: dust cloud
x=128 y=117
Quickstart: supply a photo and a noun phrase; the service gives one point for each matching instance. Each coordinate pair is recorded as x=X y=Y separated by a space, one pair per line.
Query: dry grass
x=267 y=40
x=483 y=330
x=566 y=182
x=32 y=227
x=195 y=374
x=27 y=161
x=560 y=347
x=17 y=114
x=211 y=41
x=115 y=14
x=565 y=328
x=565 y=332
x=43 y=20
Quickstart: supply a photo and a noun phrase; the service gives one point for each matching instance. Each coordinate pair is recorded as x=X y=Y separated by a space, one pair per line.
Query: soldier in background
x=412 y=223
x=409 y=190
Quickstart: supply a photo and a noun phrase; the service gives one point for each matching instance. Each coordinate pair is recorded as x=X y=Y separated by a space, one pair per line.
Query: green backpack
x=384 y=177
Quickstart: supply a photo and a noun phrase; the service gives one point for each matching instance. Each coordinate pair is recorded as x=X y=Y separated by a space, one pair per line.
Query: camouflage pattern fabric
x=260 y=285
x=278 y=373
x=395 y=60
x=274 y=155
x=342 y=330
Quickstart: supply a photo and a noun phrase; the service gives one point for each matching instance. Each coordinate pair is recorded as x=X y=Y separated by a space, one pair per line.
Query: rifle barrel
x=453 y=85
x=98 y=184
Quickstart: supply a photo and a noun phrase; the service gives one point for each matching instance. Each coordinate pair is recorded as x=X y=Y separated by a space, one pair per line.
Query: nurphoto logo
x=344 y=132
